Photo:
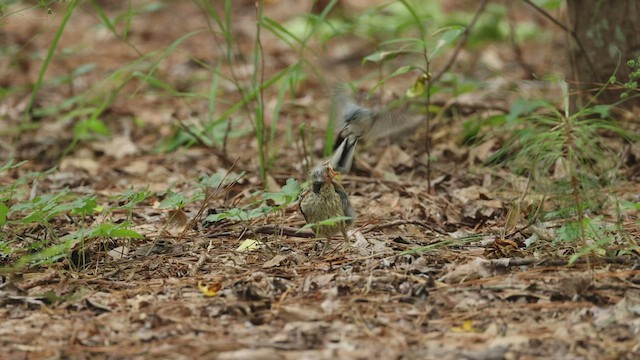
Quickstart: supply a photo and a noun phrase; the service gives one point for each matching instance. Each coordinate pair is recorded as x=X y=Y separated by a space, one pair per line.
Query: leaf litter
x=187 y=290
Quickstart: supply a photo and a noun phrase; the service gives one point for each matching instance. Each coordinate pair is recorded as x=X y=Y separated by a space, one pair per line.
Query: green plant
x=565 y=157
x=43 y=229
x=215 y=129
x=54 y=44
x=270 y=206
x=631 y=86
x=85 y=108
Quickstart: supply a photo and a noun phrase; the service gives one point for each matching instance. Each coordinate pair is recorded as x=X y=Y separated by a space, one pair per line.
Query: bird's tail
x=343 y=152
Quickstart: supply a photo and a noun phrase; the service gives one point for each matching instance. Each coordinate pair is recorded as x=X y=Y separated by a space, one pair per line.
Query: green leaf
x=288 y=194
x=602 y=110
x=173 y=201
x=523 y=106
x=126 y=233
x=292 y=188
x=381 y=56
x=84 y=206
x=85 y=128
x=4 y=210
x=213 y=181
x=108 y=230
x=9 y=165
x=84 y=69
x=447 y=37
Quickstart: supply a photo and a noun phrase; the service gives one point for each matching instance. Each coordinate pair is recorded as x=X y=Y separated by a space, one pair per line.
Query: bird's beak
x=331 y=173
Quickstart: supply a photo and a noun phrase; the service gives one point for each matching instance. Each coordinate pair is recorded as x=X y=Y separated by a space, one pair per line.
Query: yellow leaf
x=249 y=245
x=209 y=290
x=418 y=87
x=467 y=326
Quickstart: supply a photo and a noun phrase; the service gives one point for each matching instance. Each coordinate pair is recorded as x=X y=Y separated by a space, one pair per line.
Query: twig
x=472 y=107
x=402 y=222
x=462 y=42
x=510 y=262
x=271 y=230
x=517 y=50
x=43 y=279
x=195 y=267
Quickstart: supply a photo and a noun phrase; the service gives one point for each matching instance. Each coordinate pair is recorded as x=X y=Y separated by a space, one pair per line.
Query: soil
x=442 y=261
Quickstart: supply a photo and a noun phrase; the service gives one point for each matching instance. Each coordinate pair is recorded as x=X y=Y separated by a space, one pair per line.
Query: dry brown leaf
x=137 y=167
x=88 y=164
x=475 y=269
x=119 y=252
x=295 y=312
x=117 y=146
x=272 y=185
x=178 y=221
x=275 y=261
x=482 y=152
x=470 y=193
x=392 y=157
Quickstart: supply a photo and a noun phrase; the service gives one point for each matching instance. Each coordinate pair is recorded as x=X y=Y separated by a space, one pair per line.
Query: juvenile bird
x=356 y=122
x=325 y=200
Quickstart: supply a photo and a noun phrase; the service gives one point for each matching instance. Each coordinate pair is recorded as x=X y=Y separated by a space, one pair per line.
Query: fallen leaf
x=295 y=312
x=472 y=270
x=119 y=252
x=178 y=221
x=117 y=147
x=249 y=245
x=393 y=157
x=481 y=152
x=87 y=164
x=467 y=326
x=209 y=290
x=275 y=261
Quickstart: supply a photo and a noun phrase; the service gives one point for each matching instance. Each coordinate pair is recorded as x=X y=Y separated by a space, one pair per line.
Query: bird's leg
x=326 y=245
x=346 y=243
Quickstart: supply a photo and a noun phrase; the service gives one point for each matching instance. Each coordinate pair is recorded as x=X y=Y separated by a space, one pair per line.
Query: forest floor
x=436 y=268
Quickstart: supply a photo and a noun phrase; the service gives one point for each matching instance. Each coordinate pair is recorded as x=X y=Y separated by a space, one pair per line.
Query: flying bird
x=356 y=122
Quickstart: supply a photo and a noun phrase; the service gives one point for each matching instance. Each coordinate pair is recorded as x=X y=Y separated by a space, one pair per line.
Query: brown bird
x=325 y=200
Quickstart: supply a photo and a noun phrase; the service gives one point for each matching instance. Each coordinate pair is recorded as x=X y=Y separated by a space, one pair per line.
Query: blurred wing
x=388 y=123
x=340 y=99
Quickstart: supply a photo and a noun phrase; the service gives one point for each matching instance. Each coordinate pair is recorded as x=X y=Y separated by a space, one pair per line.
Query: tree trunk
x=609 y=35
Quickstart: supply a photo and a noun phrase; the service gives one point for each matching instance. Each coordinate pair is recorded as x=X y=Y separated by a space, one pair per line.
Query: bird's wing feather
x=302 y=196
x=340 y=98
x=342 y=158
x=347 y=208
x=387 y=123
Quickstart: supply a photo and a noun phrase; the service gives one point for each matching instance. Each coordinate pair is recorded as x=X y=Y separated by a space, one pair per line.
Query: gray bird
x=356 y=122
x=325 y=200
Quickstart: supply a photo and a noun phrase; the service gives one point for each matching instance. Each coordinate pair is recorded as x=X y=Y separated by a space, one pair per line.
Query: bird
x=326 y=199
x=356 y=122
